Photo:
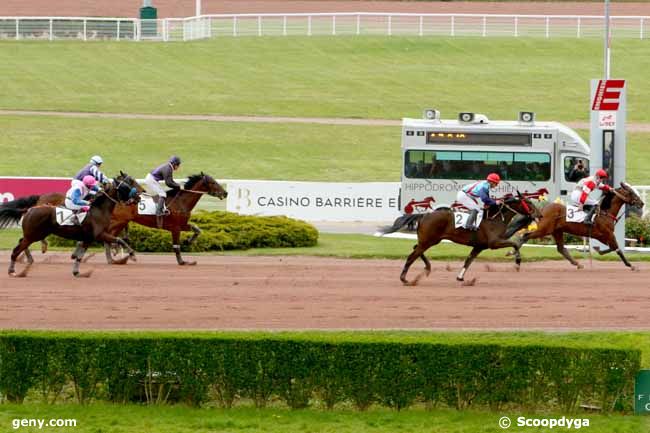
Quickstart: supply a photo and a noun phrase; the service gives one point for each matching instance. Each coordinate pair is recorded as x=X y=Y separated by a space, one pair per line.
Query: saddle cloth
x=574 y=214
x=462 y=214
x=147 y=206
x=64 y=217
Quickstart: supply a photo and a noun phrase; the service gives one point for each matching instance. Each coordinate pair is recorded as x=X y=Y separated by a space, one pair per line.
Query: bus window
x=575 y=168
x=472 y=165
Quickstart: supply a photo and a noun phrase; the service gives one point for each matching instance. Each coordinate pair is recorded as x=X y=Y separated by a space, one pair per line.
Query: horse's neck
x=106 y=205
x=616 y=205
x=508 y=214
x=185 y=200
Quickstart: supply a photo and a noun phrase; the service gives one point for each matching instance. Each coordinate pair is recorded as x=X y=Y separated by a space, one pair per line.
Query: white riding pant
x=153 y=187
x=468 y=201
x=575 y=198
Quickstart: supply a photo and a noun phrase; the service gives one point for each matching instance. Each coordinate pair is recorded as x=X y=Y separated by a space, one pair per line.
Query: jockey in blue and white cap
x=92 y=169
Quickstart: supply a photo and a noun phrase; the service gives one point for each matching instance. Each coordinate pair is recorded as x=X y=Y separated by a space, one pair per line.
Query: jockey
x=163 y=172
x=92 y=169
x=74 y=198
x=476 y=197
x=586 y=185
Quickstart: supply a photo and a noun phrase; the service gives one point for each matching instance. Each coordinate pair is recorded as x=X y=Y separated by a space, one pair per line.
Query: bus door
x=573 y=168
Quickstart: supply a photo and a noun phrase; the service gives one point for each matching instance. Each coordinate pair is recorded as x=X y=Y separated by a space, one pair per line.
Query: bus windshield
x=516 y=166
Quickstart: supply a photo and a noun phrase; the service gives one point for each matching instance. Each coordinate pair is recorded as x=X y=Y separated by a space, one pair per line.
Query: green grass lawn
x=105 y=418
x=37 y=146
x=375 y=77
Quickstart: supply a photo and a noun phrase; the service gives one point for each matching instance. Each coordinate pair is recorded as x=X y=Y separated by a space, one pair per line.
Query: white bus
x=440 y=156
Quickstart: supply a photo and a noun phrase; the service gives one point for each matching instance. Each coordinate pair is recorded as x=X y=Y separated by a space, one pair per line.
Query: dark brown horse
x=438 y=225
x=40 y=221
x=179 y=204
x=553 y=222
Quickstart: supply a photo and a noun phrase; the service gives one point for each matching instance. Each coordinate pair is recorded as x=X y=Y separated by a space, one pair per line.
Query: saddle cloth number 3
x=574 y=214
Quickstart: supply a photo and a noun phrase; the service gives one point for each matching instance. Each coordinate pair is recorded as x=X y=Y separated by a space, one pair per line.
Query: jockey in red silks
x=476 y=196
x=580 y=195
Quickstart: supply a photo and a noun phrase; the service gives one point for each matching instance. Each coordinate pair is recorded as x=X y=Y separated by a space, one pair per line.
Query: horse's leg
x=28 y=256
x=110 y=239
x=418 y=251
x=559 y=244
x=22 y=245
x=197 y=232
x=613 y=246
x=44 y=245
x=78 y=255
x=468 y=261
x=176 y=237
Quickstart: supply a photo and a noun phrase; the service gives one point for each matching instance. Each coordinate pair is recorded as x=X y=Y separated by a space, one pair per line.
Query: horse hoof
x=517 y=268
x=12 y=274
x=633 y=268
x=88 y=257
x=133 y=258
x=460 y=279
x=579 y=266
x=121 y=261
x=188 y=263
x=83 y=274
x=469 y=283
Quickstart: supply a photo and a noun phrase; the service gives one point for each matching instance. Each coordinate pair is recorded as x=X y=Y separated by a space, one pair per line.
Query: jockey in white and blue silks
x=92 y=169
x=476 y=196
x=75 y=197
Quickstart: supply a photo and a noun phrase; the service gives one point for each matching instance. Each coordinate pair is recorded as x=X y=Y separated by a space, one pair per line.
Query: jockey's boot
x=160 y=211
x=471 y=220
x=589 y=216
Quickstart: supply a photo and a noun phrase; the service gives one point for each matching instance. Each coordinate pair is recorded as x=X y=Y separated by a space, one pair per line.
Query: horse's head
x=521 y=204
x=127 y=188
x=630 y=195
x=205 y=182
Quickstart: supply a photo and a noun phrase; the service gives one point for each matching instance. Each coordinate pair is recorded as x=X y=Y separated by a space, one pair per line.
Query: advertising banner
x=12 y=188
x=315 y=201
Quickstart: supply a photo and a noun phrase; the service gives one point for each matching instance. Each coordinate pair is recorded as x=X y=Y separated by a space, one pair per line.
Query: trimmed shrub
x=166 y=368
x=638 y=228
x=222 y=231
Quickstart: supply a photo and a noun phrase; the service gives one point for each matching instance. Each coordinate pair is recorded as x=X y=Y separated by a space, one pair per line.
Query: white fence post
x=516 y=27
x=390 y=25
x=334 y=25
x=259 y=25
x=548 y=19
x=309 y=25
x=17 y=29
x=421 y=32
x=579 y=27
x=358 y=25
x=284 y=25
x=118 y=30
x=85 y=30
x=641 y=30
x=210 y=27
x=51 y=34
x=484 y=26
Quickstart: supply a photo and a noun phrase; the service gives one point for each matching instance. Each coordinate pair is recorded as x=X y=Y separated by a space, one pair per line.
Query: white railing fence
x=644 y=192
x=331 y=24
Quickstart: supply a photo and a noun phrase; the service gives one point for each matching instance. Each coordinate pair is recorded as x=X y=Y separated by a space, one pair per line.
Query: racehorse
x=553 y=222
x=180 y=203
x=24 y=203
x=438 y=225
x=40 y=221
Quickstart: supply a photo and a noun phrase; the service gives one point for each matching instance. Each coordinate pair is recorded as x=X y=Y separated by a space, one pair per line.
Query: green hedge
x=160 y=368
x=223 y=231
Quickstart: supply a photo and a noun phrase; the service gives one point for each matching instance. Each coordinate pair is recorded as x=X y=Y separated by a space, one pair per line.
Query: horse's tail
x=21 y=203
x=9 y=215
x=400 y=222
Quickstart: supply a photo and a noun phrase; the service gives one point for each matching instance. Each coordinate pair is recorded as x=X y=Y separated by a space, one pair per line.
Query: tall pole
x=197 y=9
x=608 y=41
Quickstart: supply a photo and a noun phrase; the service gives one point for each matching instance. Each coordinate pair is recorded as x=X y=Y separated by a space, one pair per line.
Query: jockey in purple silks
x=92 y=169
x=151 y=182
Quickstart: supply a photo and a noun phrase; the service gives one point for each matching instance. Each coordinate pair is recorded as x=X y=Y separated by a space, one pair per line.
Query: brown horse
x=553 y=222
x=179 y=204
x=24 y=203
x=40 y=221
x=438 y=225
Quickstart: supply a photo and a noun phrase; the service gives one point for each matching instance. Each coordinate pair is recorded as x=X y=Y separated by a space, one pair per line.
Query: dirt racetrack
x=320 y=293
